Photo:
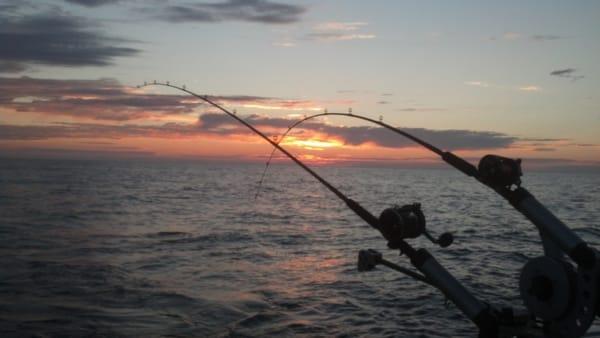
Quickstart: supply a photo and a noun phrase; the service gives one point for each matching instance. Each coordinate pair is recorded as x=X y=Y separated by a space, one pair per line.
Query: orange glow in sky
x=312 y=144
x=525 y=85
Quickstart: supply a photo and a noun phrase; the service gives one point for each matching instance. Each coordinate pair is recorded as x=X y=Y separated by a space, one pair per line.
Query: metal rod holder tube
x=548 y=225
x=451 y=287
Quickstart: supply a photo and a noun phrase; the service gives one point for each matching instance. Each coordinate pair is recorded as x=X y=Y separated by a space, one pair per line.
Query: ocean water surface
x=178 y=249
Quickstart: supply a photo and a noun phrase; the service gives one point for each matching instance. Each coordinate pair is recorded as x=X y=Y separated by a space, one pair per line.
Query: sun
x=313 y=144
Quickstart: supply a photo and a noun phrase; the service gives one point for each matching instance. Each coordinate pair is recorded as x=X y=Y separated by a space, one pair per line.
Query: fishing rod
x=568 y=313
x=353 y=205
x=500 y=174
x=546 y=283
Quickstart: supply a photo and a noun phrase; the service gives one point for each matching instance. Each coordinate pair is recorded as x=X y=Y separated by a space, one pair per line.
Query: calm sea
x=126 y=248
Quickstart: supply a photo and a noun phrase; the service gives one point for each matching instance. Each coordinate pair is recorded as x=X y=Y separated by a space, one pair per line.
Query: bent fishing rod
x=563 y=298
x=500 y=174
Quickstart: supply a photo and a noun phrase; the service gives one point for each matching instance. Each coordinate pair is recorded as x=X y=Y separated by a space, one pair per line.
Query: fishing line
x=357 y=116
x=359 y=210
x=264 y=173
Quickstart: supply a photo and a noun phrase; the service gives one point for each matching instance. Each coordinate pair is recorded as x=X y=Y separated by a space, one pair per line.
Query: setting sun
x=313 y=144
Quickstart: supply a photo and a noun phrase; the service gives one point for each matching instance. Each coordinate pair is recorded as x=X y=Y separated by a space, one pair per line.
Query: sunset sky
x=517 y=78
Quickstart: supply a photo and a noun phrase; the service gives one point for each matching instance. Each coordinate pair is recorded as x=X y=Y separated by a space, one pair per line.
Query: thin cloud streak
x=530 y=88
x=340 y=26
x=92 y=3
x=567 y=73
x=546 y=37
x=514 y=36
x=477 y=84
x=339 y=31
x=525 y=88
x=336 y=36
x=258 y=11
x=108 y=100
x=360 y=135
x=11 y=67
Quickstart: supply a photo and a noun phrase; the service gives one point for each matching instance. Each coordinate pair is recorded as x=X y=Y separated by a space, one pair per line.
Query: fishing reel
x=408 y=221
x=565 y=298
x=500 y=171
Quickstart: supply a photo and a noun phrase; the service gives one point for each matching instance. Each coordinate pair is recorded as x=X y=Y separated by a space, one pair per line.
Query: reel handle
x=444 y=240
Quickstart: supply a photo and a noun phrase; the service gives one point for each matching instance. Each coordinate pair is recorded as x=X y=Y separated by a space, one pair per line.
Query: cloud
x=506 y=36
x=530 y=88
x=511 y=36
x=419 y=109
x=12 y=6
x=545 y=139
x=102 y=99
x=56 y=38
x=221 y=125
x=359 y=135
x=567 y=73
x=477 y=84
x=284 y=44
x=340 y=26
x=514 y=36
x=92 y=3
x=11 y=67
x=92 y=130
x=259 y=11
x=337 y=36
x=526 y=88
x=108 y=100
x=545 y=37
x=339 y=31
x=563 y=72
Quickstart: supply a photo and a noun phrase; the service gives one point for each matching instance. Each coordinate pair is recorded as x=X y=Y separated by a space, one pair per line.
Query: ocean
x=179 y=248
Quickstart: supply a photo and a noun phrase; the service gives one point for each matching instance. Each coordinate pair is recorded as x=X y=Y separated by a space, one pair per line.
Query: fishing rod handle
x=473 y=308
x=553 y=228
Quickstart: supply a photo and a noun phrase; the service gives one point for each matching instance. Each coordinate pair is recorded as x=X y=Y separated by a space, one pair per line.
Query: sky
x=515 y=78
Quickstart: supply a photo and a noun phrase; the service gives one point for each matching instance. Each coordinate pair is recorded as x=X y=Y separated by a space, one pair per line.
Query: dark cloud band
x=92 y=3
x=106 y=99
x=568 y=73
x=260 y=11
x=357 y=135
x=55 y=38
